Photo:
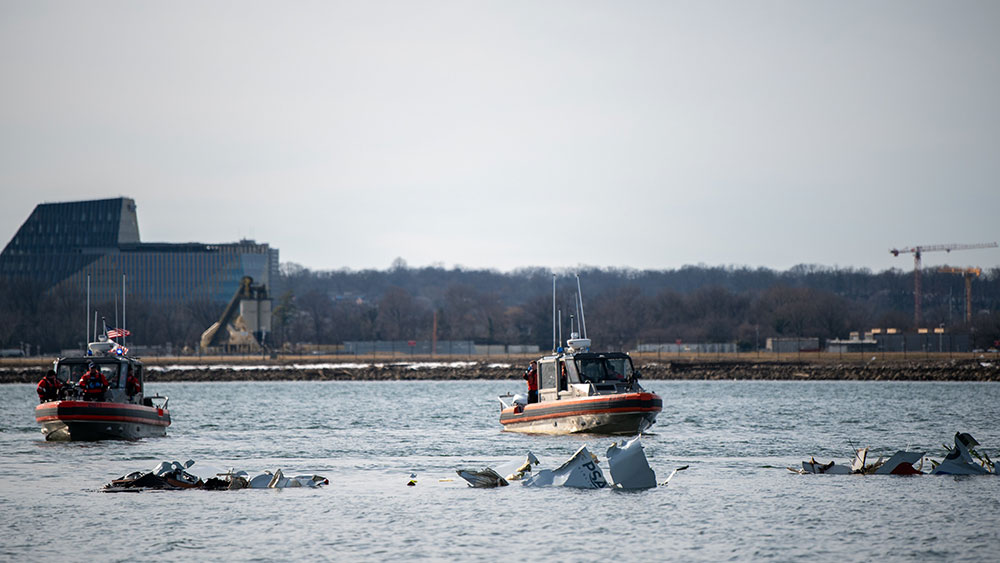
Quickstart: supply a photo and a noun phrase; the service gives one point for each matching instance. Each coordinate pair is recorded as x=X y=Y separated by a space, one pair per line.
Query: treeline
x=623 y=307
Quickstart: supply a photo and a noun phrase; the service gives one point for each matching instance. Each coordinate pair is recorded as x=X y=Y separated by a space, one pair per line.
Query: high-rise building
x=61 y=244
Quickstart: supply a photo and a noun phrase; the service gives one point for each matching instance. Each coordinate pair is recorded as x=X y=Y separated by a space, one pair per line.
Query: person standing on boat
x=132 y=385
x=531 y=376
x=93 y=383
x=49 y=387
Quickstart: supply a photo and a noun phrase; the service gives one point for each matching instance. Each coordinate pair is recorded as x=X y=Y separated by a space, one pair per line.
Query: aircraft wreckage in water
x=627 y=465
x=961 y=459
x=176 y=476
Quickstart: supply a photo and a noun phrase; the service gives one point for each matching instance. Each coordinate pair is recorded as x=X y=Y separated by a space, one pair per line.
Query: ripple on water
x=735 y=502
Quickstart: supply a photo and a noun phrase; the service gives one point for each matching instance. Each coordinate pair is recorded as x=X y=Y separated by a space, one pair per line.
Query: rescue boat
x=580 y=391
x=596 y=393
x=118 y=416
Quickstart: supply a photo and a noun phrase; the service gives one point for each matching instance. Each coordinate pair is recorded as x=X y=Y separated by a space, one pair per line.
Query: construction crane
x=968 y=273
x=917 y=251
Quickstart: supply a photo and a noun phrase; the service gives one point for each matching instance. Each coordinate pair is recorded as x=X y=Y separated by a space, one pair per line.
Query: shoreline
x=964 y=369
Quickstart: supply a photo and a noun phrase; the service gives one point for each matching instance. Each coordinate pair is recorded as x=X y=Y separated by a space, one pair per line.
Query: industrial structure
x=244 y=324
x=917 y=251
x=65 y=244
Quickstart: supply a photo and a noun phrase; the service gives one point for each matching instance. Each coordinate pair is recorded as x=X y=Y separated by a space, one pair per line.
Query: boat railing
x=158 y=401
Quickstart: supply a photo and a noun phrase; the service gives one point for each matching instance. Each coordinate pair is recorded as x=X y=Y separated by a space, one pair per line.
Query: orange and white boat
x=118 y=416
x=582 y=391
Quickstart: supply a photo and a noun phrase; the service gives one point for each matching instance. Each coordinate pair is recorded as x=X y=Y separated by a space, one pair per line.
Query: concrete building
x=792 y=345
x=689 y=348
x=61 y=244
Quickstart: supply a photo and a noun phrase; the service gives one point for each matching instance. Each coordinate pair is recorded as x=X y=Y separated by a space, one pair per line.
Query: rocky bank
x=927 y=370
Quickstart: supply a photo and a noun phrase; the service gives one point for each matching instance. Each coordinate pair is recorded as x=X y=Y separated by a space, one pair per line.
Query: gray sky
x=507 y=134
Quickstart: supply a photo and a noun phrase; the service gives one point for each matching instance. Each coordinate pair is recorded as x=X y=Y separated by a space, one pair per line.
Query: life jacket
x=532 y=378
x=92 y=382
x=47 y=389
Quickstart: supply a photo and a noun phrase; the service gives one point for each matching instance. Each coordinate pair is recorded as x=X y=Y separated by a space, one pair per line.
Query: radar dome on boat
x=102 y=347
x=578 y=343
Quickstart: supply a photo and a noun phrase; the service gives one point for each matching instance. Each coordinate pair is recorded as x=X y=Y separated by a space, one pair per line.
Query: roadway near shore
x=744 y=366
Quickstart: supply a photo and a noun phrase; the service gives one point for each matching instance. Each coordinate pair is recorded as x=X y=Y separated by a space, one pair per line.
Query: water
x=736 y=502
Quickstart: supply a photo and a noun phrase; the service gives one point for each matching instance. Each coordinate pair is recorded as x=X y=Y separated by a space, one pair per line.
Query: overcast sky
x=508 y=134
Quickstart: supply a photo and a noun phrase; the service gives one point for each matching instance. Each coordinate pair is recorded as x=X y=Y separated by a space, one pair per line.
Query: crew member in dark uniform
x=49 y=387
x=531 y=376
x=94 y=384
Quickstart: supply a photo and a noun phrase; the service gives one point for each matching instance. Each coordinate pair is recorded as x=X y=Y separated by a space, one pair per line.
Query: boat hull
x=88 y=421
x=626 y=413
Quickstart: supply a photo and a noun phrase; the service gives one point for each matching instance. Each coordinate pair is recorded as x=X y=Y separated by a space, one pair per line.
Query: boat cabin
x=582 y=374
x=115 y=369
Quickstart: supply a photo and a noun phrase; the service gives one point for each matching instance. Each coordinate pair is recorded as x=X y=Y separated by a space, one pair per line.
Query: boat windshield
x=597 y=370
x=73 y=371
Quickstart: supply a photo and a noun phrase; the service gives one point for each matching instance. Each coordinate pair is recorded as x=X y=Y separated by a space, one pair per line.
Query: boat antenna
x=123 y=310
x=95 y=324
x=560 y=325
x=115 y=293
x=554 y=340
x=579 y=329
x=86 y=320
x=579 y=296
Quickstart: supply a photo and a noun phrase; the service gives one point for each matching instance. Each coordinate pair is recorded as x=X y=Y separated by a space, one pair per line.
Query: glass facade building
x=61 y=244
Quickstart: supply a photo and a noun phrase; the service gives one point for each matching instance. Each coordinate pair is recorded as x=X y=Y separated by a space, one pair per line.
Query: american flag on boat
x=118 y=333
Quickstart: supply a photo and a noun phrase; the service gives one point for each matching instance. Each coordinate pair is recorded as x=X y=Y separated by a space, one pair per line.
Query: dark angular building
x=61 y=244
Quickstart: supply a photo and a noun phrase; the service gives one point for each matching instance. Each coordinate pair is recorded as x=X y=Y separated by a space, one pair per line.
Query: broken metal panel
x=959 y=460
x=629 y=467
x=484 y=479
x=581 y=471
x=902 y=463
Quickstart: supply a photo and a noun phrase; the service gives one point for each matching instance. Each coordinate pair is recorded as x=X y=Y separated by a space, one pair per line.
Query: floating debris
x=960 y=460
x=485 y=478
x=627 y=464
x=177 y=476
x=629 y=467
x=902 y=463
x=579 y=472
x=489 y=477
x=672 y=473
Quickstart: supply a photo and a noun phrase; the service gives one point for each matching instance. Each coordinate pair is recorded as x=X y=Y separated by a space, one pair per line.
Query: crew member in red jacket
x=531 y=376
x=49 y=387
x=132 y=385
x=94 y=384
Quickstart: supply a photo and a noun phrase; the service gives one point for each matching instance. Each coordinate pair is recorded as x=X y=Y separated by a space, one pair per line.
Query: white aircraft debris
x=175 y=475
x=580 y=472
x=959 y=460
x=629 y=467
x=962 y=459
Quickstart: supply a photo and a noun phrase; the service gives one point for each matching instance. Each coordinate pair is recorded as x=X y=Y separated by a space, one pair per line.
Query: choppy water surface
x=737 y=500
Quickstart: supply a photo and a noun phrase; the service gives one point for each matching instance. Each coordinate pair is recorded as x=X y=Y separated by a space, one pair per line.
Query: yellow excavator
x=246 y=321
